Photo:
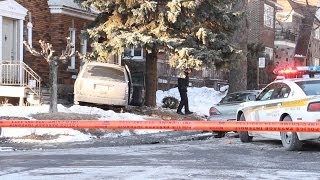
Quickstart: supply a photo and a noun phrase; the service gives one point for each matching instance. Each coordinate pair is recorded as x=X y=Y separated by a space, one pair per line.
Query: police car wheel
x=243 y=135
x=290 y=140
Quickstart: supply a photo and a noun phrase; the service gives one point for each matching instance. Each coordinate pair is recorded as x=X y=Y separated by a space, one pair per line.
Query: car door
x=227 y=107
x=254 y=112
x=253 y=108
x=229 y=104
x=271 y=107
x=130 y=84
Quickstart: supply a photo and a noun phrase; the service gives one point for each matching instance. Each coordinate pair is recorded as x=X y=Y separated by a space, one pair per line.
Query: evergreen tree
x=195 y=32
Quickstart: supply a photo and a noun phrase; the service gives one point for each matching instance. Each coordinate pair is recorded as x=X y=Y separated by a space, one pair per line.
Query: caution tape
x=167 y=125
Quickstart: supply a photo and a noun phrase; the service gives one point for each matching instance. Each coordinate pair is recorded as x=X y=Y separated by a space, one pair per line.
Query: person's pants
x=184 y=101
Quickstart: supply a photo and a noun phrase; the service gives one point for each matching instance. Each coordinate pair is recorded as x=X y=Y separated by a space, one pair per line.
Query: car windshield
x=310 y=87
x=103 y=73
x=235 y=97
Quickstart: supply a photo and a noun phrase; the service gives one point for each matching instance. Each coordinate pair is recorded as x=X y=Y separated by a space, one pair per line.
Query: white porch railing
x=20 y=74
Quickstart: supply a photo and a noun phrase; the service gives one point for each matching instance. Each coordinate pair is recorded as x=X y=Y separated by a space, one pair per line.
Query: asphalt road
x=184 y=158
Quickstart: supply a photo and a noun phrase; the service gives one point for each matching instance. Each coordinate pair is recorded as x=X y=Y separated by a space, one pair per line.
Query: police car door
x=271 y=109
x=262 y=101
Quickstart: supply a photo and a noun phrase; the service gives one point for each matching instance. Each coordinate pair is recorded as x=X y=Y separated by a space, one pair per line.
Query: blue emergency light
x=309 y=68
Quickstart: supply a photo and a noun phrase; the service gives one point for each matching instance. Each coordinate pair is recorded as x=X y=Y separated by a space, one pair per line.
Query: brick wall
x=41 y=30
x=53 y=28
x=258 y=33
x=254 y=18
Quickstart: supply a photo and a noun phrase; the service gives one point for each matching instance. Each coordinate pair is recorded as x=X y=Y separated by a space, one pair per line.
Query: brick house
x=298 y=38
x=261 y=20
x=50 y=20
x=313 y=56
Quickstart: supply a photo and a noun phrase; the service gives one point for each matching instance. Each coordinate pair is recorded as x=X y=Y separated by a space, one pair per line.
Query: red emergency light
x=288 y=71
x=297 y=72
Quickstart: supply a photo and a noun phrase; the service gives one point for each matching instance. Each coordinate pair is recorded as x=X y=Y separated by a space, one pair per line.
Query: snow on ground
x=200 y=100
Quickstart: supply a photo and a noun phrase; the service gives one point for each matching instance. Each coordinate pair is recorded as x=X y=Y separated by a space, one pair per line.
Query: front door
x=8 y=50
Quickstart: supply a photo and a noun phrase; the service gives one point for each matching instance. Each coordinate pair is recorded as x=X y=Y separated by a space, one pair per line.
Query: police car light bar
x=288 y=71
x=309 y=68
x=298 y=72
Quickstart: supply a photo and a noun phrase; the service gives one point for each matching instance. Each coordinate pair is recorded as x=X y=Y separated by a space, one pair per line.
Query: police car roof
x=297 y=79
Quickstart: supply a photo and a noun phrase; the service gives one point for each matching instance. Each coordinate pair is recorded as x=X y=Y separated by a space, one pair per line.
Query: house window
x=269 y=52
x=83 y=43
x=29 y=27
x=317 y=33
x=72 y=36
x=316 y=61
x=133 y=53
x=268 y=15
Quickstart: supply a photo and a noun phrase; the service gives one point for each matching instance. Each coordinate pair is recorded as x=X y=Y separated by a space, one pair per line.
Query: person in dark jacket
x=183 y=84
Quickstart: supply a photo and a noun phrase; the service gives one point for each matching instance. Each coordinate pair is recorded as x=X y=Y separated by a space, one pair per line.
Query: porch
x=20 y=81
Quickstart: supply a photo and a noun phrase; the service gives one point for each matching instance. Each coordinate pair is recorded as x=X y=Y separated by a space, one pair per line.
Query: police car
x=294 y=96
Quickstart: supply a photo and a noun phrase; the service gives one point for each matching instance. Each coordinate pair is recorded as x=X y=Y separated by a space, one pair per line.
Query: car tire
x=243 y=135
x=290 y=140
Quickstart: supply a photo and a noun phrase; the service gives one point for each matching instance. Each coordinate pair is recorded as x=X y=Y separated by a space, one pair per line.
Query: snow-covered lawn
x=200 y=100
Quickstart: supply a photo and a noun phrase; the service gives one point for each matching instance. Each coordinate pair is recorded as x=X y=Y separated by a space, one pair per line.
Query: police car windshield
x=310 y=87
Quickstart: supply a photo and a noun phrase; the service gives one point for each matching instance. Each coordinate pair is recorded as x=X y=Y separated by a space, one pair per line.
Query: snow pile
x=200 y=99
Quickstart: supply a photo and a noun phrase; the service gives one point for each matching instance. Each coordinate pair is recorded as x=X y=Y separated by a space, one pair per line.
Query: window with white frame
x=72 y=36
x=316 y=61
x=83 y=42
x=29 y=27
x=268 y=15
x=133 y=53
x=269 y=52
x=317 y=33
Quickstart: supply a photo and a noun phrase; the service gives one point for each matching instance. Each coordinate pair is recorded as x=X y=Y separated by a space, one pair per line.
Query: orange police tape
x=167 y=125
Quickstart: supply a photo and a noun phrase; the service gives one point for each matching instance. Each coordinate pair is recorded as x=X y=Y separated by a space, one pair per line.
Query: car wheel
x=243 y=135
x=290 y=140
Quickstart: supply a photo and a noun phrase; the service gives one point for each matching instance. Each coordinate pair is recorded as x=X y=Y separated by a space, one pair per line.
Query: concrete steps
x=33 y=100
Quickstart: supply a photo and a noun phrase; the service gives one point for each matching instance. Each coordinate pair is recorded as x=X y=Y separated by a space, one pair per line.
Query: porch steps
x=45 y=91
x=33 y=99
x=45 y=99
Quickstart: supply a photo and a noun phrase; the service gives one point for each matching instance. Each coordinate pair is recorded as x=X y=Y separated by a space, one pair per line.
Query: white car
x=103 y=83
x=294 y=99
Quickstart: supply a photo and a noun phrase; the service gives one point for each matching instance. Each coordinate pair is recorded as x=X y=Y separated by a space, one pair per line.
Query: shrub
x=170 y=102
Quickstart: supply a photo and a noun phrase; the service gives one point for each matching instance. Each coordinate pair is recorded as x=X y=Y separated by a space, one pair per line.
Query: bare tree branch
x=47 y=53
x=32 y=50
x=68 y=52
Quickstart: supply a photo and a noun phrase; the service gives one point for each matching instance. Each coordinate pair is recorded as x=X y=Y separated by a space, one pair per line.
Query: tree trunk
x=53 y=65
x=238 y=67
x=151 y=78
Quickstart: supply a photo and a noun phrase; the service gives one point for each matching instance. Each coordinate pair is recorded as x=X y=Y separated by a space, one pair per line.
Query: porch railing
x=20 y=74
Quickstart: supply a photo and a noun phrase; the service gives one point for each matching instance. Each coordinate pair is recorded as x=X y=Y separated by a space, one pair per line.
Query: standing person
x=183 y=83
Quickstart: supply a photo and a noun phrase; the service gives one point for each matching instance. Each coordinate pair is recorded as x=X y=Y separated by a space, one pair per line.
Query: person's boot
x=179 y=112
x=188 y=112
